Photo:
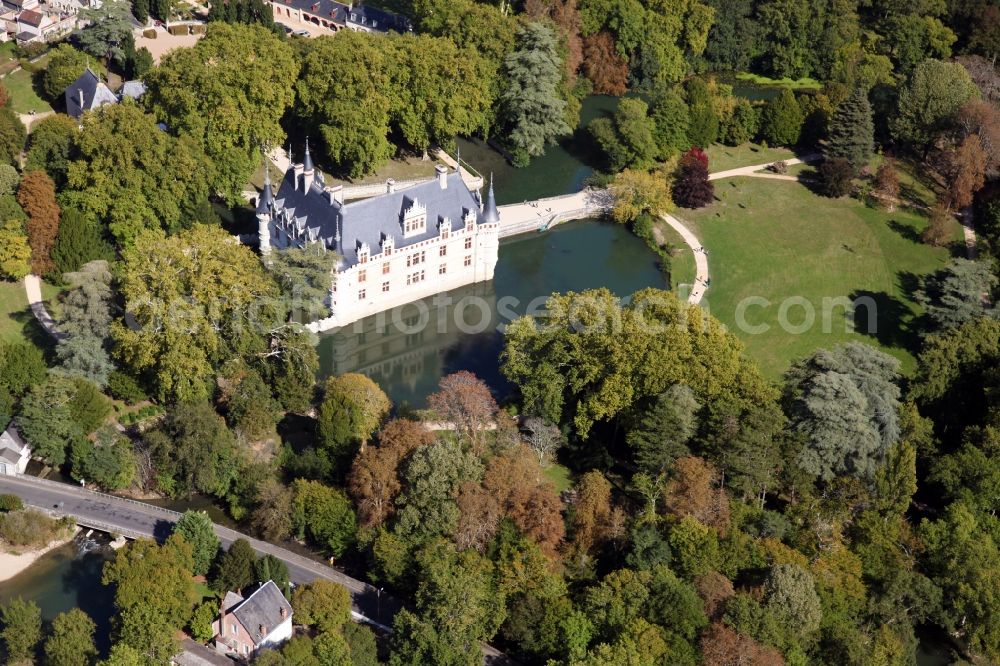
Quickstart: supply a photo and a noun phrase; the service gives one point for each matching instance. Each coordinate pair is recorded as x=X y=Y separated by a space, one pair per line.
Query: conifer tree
x=852 y=130
x=781 y=121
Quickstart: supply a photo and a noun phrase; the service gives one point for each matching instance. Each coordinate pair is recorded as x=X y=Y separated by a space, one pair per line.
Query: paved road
x=133 y=517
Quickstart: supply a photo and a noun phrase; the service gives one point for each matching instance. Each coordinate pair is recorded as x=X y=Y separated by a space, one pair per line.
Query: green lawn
x=23 y=97
x=682 y=268
x=724 y=158
x=558 y=475
x=795 y=84
x=17 y=323
x=777 y=240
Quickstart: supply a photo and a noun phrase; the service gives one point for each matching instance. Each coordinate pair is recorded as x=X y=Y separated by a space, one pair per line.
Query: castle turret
x=490 y=212
x=265 y=206
x=308 y=171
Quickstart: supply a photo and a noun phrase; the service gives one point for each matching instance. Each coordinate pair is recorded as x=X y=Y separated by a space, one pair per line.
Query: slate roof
x=95 y=94
x=194 y=654
x=334 y=11
x=11 y=444
x=133 y=89
x=370 y=220
x=263 y=607
x=378 y=19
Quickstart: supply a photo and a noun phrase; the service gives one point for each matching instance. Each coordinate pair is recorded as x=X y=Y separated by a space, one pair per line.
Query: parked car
x=284 y=27
x=301 y=33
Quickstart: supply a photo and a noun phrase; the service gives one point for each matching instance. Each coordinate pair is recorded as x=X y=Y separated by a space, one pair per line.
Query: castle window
x=361 y=295
x=443 y=251
x=442 y=269
x=415 y=258
x=385 y=286
x=385 y=268
x=468 y=243
x=362 y=276
x=363 y=257
x=468 y=260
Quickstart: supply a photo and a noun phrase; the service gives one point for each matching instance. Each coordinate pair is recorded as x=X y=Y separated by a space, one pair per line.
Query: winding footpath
x=33 y=290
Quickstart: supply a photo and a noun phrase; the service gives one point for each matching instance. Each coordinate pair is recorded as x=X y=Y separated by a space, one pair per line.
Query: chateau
x=394 y=248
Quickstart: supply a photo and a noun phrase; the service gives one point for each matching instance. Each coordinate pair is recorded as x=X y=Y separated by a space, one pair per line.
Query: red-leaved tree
x=37 y=196
x=692 y=188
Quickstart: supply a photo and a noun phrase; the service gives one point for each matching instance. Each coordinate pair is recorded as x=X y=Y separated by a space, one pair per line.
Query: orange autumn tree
x=37 y=196
x=607 y=70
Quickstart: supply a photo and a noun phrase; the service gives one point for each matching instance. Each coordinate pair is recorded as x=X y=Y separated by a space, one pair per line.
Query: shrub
x=9 y=502
x=28 y=528
x=125 y=387
x=836 y=175
x=778 y=167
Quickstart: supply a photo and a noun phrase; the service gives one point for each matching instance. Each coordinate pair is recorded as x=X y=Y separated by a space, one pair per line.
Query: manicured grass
x=797 y=84
x=682 y=268
x=777 y=240
x=724 y=158
x=558 y=475
x=23 y=97
x=400 y=169
x=17 y=323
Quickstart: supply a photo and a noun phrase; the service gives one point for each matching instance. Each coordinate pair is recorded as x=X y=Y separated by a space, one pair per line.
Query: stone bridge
x=541 y=214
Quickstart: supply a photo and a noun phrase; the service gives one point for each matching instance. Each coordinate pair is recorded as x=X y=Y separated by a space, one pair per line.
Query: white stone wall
x=414 y=272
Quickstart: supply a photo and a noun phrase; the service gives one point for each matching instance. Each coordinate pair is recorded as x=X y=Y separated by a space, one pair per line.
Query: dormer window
x=414 y=219
x=363 y=253
x=387 y=245
x=470 y=219
x=444 y=226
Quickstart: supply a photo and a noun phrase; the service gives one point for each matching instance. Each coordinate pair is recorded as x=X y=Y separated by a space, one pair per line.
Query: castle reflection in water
x=408 y=349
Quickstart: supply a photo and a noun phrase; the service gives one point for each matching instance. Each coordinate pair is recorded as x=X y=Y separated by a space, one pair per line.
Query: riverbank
x=11 y=564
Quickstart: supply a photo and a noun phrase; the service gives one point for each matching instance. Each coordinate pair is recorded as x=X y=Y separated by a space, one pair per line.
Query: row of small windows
x=412 y=278
x=416 y=258
x=412 y=260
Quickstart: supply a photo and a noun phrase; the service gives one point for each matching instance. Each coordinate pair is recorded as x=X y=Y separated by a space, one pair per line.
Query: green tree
x=88 y=407
x=671 y=122
x=124 y=655
x=15 y=252
x=662 y=432
x=71 y=641
x=637 y=193
x=235 y=569
x=53 y=140
x=790 y=594
x=193 y=450
x=323 y=514
x=353 y=407
x=845 y=403
x=141 y=562
x=9 y=180
x=65 y=66
x=306 y=277
x=197 y=529
x=22 y=628
x=957 y=293
x=250 y=407
x=433 y=475
x=532 y=109
x=46 y=418
x=291 y=368
x=852 y=130
x=12 y=135
x=133 y=177
x=425 y=73
x=80 y=240
x=935 y=91
x=627 y=138
x=202 y=307
x=146 y=629
x=781 y=120
x=22 y=367
x=229 y=93
x=323 y=605
x=201 y=621
x=271 y=568
x=458 y=606
x=343 y=95
x=703 y=128
x=107 y=31
x=108 y=462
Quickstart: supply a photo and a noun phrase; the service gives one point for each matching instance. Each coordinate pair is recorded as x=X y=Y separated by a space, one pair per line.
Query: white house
x=394 y=248
x=263 y=619
x=14 y=452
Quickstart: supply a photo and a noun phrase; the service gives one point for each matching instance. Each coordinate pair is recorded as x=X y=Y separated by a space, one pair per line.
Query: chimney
x=283 y=612
x=263 y=630
x=442 y=174
x=390 y=186
x=335 y=194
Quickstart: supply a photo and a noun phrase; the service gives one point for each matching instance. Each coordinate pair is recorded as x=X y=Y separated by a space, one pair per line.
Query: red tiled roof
x=30 y=17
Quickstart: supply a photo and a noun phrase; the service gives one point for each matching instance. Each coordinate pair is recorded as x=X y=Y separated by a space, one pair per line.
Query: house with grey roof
x=14 y=452
x=261 y=620
x=392 y=249
x=89 y=92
